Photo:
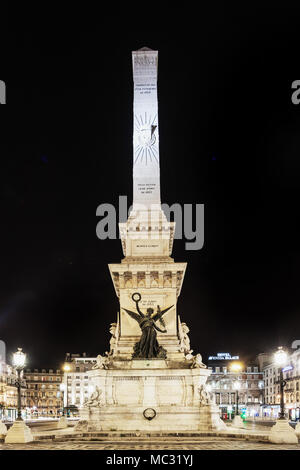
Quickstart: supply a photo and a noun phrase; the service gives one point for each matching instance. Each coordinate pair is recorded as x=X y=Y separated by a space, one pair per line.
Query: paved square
x=203 y=444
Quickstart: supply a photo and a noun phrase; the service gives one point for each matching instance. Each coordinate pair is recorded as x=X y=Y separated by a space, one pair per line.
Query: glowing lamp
x=280 y=357
x=19 y=359
x=236 y=367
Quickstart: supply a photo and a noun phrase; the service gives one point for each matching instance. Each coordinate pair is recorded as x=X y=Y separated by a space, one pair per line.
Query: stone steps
x=168 y=438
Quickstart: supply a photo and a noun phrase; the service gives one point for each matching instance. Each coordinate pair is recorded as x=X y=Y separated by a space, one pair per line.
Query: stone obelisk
x=146 y=177
x=147 y=236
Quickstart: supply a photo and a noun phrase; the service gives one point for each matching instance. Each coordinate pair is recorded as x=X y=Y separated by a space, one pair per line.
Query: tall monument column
x=146 y=184
x=149 y=380
x=147 y=236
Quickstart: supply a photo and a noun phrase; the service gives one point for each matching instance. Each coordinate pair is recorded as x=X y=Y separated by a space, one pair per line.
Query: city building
x=230 y=379
x=43 y=396
x=291 y=374
x=9 y=392
x=76 y=382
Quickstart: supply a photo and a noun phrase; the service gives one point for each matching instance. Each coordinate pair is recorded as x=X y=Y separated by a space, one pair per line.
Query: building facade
x=9 y=393
x=76 y=381
x=43 y=395
x=223 y=381
x=291 y=374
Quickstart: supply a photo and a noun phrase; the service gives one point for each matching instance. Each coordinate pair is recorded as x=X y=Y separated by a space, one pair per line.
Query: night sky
x=229 y=138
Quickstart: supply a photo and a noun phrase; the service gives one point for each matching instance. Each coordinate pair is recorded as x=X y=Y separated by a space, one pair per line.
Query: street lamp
x=236 y=367
x=19 y=432
x=67 y=369
x=282 y=432
x=280 y=359
x=62 y=391
x=62 y=422
x=19 y=359
x=236 y=387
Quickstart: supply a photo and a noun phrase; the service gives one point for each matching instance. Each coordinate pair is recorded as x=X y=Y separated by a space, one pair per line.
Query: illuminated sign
x=223 y=357
x=285 y=369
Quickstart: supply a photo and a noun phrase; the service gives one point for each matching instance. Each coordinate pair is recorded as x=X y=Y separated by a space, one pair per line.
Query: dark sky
x=229 y=138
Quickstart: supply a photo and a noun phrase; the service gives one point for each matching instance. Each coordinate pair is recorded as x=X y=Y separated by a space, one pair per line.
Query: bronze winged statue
x=148 y=347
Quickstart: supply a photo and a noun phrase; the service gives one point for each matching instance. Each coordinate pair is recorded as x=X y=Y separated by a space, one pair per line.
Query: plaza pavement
x=254 y=436
x=176 y=444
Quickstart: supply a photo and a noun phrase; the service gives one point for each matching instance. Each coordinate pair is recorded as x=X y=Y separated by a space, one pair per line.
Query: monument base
x=149 y=395
x=283 y=433
x=166 y=419
x=3 y=430
x=19 y=433
x=238 y=422
x=62 y=423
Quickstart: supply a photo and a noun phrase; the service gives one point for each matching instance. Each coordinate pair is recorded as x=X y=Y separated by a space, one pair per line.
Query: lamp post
x=282 y=432
x=67 y=368
x=281 y=359
x=62 y=391
x=236 y=387
x=19 y=359
x=19 y=432
x=236 y=367
x=62 y=422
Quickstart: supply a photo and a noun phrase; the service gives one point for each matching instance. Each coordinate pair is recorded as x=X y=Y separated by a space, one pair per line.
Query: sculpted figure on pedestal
x=185 y=345
x=204 y=395
x=114 y=338
x=102 y=362
x=197 y=362
x=95 y=398
x=147 y=347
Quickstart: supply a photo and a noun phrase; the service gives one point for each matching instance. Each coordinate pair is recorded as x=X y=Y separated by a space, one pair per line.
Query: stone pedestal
x=238 y=422
x=19 y=433
x=3 y=430
x=62 y=423
x=170 y=393
x=283 y=433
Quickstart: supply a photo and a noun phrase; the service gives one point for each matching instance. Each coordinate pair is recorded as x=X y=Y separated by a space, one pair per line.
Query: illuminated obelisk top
x=146 y=221
x=146 y=175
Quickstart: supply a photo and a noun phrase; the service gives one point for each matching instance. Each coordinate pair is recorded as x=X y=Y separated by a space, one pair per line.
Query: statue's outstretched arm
x=158 y=329
x=133 y=315
x=138 y=309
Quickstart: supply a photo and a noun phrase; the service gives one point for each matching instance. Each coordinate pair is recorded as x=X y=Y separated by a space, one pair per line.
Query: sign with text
x=223 y=357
